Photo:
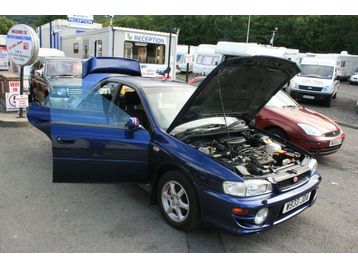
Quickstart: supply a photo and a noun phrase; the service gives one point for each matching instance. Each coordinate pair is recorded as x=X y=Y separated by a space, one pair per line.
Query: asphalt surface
x=39 y=216
x=343 y=108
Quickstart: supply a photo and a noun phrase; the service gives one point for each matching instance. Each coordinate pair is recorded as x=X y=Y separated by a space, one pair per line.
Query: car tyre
x=327 y=102
x=278 y=132
x=178 y=202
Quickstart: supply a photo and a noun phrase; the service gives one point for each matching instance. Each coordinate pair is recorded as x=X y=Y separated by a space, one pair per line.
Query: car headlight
x=312 y=165
x=293 y=84
x=248 y=188
x=310 y=130
x=326 y=89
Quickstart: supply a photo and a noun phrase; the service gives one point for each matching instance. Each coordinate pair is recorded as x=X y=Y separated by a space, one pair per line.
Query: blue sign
x=80 y=19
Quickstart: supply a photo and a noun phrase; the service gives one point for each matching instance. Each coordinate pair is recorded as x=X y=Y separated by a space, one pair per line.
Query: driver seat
x=131 y=101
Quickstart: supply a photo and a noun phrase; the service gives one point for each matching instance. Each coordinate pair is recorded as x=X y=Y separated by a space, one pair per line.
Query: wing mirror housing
x=133 y=123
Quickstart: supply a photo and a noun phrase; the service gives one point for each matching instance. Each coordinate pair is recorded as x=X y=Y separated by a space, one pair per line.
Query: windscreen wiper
x=198 y=128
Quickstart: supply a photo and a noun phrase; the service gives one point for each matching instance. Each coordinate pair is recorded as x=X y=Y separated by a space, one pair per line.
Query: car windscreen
x=318 y=71
x=166 y=102
x=281 y=100
x=64 y=68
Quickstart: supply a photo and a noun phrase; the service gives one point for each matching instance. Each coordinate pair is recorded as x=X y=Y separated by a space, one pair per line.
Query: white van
x=317 y=80
x=206 y=60
x=43 y=52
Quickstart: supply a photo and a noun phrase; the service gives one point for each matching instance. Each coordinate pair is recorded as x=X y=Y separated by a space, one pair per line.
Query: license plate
x=296 y=202
x=335 y=142
x=308 y=97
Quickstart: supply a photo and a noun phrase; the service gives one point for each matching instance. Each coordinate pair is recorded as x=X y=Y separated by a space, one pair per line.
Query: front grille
x=74 y=91
x=332 y=133
x=310 y=88
x=293 y=181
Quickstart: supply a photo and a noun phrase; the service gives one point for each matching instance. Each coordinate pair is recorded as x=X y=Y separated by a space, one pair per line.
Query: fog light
x=261 y=216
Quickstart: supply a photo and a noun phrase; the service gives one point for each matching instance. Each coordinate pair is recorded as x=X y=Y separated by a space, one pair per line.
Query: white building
x=50 y=34
x=150 y=48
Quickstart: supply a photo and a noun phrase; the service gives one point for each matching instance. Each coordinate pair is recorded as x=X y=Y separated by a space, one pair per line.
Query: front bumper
x=353 y=80
x=319 y=146
x=216 y=207
x=301 y=94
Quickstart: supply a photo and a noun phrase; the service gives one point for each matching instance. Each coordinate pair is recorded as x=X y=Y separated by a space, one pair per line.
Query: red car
x=308 y=129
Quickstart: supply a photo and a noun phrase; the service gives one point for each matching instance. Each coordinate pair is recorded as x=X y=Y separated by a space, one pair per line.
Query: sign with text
x=81 y=19
x=145 y=38
x=10 y=101
x=22 y=44
x=22 y=101
x=14 y=87
x=188 y=59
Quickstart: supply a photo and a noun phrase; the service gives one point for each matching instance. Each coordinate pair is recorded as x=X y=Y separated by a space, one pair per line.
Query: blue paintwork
x=96 y=69
x=87 y=153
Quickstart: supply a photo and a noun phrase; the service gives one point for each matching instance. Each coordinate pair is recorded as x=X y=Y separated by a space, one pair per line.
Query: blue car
x=196 y=149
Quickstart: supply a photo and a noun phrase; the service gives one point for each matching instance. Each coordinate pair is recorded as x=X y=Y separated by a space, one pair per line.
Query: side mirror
x=38 y=73
x=133 y=123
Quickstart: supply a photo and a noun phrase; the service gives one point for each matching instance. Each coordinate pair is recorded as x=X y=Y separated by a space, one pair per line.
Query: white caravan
x=207 y=59
x=346 y=63
x=239 y=49
x=4 y=61
x=182 y=51
x=317 y=80
x=150 y=48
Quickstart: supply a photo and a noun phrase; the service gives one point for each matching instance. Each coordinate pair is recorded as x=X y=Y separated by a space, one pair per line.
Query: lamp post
x=273 y=36
x=110 y=20
x=248 y=29
x=170 y=44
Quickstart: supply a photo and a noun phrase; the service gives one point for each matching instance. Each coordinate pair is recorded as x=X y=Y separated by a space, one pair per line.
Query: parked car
x=50 y=74
x=310 y=130
x=193 y=146
x=353 y=80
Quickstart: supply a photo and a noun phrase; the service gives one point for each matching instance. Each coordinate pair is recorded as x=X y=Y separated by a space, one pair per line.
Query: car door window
x=94 y=109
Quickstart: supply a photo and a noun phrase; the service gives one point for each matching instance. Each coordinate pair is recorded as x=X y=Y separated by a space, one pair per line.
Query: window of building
x=145 y=52
x=98 y=48
x=76 y=48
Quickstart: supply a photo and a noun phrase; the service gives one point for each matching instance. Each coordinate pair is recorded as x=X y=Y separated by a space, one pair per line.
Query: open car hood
x=238 y=86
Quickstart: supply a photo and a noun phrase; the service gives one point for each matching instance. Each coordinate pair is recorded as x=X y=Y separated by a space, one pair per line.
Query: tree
x=47 y=18
x=5 y=25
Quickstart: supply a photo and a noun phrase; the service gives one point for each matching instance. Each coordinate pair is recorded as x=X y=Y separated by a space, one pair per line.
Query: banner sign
x=145 y=38
x=81 y=19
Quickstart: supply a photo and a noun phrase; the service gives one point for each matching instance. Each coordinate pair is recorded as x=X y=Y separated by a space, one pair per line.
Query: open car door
x=91 y=141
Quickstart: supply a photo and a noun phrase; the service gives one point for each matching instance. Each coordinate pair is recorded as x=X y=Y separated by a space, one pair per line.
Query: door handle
x=65 y=140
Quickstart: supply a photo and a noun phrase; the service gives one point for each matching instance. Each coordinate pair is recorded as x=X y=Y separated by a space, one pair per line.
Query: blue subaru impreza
x=196 y=149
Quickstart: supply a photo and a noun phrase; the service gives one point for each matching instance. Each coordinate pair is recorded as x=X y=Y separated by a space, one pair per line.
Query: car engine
x=247 y=152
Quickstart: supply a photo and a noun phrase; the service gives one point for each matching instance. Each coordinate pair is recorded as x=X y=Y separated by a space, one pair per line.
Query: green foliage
x=47 y=18
x=5 y=24
x=307 y=33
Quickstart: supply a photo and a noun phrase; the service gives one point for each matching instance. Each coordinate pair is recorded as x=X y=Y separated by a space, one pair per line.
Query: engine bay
x=247 y=152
